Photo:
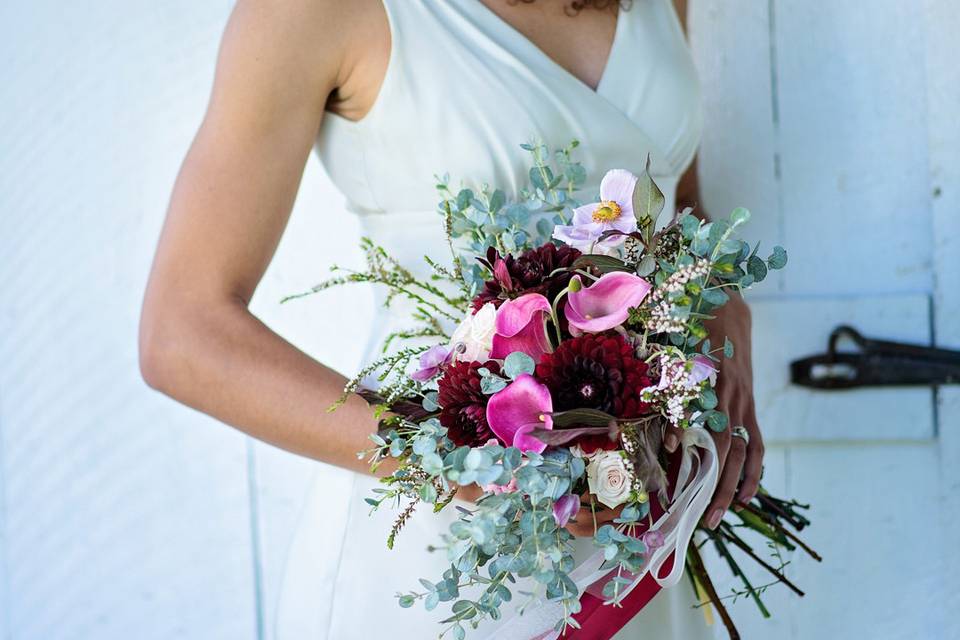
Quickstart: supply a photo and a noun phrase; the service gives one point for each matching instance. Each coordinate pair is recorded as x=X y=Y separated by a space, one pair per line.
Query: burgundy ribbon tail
x=601 y=622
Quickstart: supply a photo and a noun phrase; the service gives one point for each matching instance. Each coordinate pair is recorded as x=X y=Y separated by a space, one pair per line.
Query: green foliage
x=518 y=363
x=648 y=202
x=478 y=220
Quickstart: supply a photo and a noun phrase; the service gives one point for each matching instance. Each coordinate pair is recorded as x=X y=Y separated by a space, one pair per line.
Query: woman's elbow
x=173 y=336
x=157 y=350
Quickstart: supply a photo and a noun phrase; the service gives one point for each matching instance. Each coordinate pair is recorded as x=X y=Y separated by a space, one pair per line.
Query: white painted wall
x=123 y=515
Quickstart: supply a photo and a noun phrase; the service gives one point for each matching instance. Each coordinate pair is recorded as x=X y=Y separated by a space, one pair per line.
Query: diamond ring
x=741 y=432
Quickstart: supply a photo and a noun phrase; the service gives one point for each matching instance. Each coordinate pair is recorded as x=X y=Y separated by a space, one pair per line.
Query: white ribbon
x=696 y=482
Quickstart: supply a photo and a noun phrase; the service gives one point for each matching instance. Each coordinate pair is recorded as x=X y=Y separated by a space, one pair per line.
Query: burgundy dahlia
x=530 y=272
x=596 y=371
x=463 y=405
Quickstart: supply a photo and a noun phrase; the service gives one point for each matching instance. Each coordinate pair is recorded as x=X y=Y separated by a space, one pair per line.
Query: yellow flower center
x=607 y=211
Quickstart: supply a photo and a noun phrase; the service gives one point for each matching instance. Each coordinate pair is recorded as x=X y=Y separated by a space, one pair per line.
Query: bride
x=391 y=92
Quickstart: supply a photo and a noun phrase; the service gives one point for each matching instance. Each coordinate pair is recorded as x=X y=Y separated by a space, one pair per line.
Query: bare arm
x=199 y=343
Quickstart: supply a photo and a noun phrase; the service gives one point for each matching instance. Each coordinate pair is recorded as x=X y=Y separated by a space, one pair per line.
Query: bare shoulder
x=305 y=48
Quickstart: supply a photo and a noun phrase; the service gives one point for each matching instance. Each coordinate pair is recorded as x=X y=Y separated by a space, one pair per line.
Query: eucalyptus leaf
x=492 y=384
x=544 y=228
x=429 y=402
x=464 y=198
x=717 y=421
x=646 y=266
x=518 y=363
x=739 y=216
x=715 y=296
x=757 y=268
x=497 y=200
x=708 y=398
x=432 y=463
x=428 y=493
x=716 y=230
x=424 y=445
x=777 y=259
x=689 y=225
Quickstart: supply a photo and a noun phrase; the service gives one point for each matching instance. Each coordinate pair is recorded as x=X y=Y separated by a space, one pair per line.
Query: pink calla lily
x=605 y=304
x=521 y=326
x=519 y=408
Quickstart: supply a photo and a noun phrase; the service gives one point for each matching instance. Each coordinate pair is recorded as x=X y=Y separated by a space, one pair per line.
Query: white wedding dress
x=462 y=90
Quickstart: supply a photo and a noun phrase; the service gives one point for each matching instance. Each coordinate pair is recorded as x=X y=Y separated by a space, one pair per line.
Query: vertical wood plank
x=943 y=96
x=852 y=130
x=736 y=161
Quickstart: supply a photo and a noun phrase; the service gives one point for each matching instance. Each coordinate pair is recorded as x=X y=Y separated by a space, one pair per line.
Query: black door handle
x=875 y=363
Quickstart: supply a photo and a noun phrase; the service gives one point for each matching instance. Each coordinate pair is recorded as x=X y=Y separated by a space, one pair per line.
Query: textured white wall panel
x=852 y=130
x=943 y=95
x=124 y=515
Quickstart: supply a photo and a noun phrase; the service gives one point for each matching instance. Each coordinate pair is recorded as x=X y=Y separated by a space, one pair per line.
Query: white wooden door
x=835 y=123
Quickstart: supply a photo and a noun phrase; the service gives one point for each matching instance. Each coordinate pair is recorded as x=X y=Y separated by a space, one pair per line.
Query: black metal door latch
x=875 y=363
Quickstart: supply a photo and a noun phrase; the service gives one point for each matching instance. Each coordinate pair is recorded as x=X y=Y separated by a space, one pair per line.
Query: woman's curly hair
x=576 y=6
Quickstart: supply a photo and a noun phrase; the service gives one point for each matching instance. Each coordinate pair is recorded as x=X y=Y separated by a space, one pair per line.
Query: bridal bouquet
x=547 y=358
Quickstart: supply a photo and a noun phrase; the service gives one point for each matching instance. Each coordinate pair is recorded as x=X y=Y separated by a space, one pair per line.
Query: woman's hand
x=737 y=457
x=589 y=520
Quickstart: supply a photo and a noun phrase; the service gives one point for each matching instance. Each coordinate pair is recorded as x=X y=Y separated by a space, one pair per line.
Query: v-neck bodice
x=463 y=88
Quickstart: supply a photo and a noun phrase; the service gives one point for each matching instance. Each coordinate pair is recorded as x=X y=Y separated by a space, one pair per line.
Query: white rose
x=608 y=478
x=473 y=339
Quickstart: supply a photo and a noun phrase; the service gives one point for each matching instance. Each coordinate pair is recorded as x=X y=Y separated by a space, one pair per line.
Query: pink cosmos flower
x=605 y=304
x=613 y=212
x=430 y=362
x=565 y=508
x=519 y=408
x=701 y=370
x=521 y=326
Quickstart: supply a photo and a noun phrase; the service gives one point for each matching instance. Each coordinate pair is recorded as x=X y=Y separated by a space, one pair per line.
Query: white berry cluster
x=674 y=391
x=663 y=317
